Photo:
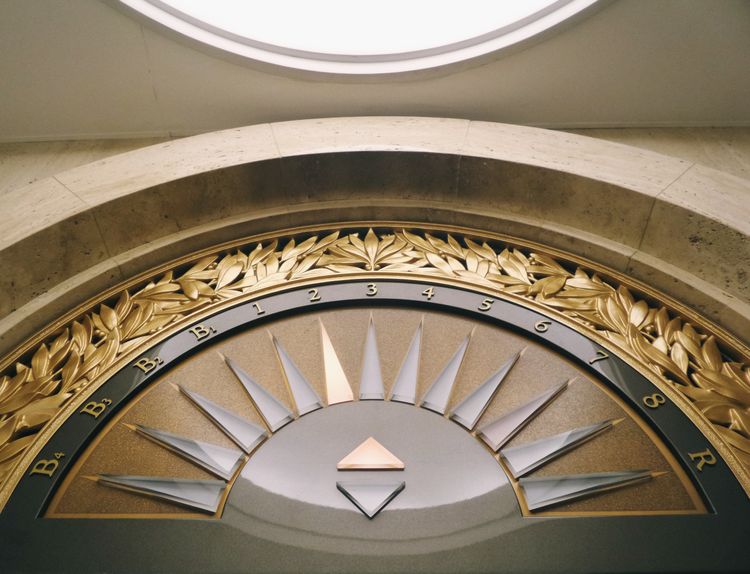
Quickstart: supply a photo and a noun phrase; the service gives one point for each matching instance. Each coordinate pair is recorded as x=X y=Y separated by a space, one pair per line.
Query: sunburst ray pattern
x=519 y=460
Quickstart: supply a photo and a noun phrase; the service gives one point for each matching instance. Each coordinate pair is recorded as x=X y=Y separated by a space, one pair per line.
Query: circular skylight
x=350 y=36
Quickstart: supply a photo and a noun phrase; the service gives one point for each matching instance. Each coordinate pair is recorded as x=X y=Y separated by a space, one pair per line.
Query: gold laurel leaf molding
x=700 y=367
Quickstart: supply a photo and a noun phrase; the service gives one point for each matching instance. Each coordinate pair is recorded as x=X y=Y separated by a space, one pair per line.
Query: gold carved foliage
x=690 y=361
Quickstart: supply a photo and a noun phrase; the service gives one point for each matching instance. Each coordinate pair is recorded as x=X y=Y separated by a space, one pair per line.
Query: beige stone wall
x=724 y=149
x=675 y=224
x=25 y=163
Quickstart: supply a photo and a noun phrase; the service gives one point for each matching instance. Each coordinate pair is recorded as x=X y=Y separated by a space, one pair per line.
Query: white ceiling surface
x=76 y=69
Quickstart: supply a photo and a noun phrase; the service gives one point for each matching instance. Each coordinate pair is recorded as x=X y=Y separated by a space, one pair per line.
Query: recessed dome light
x=343 y=36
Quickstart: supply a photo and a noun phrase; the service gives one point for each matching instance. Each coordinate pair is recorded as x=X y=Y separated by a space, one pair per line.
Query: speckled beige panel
x=163 y=210
x=46 y=202
x=27 y=162
x=373 y=175
x=32 y=262
x=701 y=223
x=725 y=149
x=435 y=135
x=623 y=166
x=604 y=210
x=124 y=174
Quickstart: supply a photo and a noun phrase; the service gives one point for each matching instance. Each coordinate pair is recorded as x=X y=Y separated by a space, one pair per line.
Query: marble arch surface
x=680 y=227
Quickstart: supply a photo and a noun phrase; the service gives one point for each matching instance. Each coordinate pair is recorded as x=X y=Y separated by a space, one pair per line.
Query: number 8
x=654 y=401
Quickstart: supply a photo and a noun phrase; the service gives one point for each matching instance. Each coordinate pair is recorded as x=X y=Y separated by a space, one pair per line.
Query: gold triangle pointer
x=370 y=455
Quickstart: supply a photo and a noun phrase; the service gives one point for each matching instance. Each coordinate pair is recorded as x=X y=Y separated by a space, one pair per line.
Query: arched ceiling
x=85 y=68
x=679 y=227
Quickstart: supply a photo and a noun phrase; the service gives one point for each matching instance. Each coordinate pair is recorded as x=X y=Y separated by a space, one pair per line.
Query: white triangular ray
x=405 y=387
x=371 y=384
x=437 y=396
x=338 y=389
x=370 y=455
x=497 y=433
x=527 y=457
x=543 y=492
x=273 y=412
x=370 y=497
x=305 y=397
x=216 y=459
x=244 y=433
x=471 y=408
x=199 y=494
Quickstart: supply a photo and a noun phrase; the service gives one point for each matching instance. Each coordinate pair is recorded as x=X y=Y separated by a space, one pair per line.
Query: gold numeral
x=47 y=467
x=201 y=331
x=147 y=365
x=486 y=305
x=314 y=296
x=258 y=310
x=542 y=326
x=95 y=409
x=704 y=457
x=654 y=401
x=600 y=356
x=372 y=289
x=429 y=293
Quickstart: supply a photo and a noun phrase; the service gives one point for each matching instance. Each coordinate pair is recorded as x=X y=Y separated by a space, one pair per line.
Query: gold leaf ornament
x=35 y=387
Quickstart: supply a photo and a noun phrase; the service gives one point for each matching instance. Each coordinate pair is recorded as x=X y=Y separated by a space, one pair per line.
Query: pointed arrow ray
x=468 y=413
x=437 y=396
x=273 y=412
x=497 y=433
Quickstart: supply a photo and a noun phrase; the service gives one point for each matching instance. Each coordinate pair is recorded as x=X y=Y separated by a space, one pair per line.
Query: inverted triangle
x=370 y=455
x=369 y=497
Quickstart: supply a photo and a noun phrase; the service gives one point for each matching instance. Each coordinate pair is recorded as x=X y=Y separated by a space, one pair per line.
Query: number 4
x=429 y=293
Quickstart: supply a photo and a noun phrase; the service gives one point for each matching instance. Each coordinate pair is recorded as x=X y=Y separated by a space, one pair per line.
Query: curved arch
x=683 y=228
